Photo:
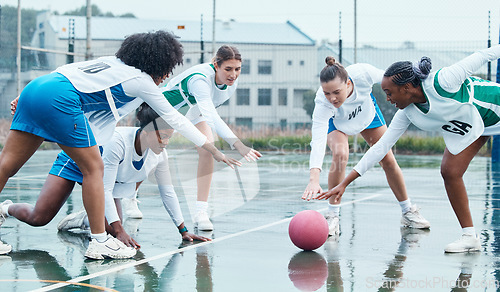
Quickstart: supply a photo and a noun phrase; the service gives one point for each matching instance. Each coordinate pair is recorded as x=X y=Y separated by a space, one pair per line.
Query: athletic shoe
x=72 y=221
x=3 y=215
x=5 y=248
x=202 y=222
x=413 y=219
x=130 y=208
x=466 y=243
x=112 y=248
x=333 y=224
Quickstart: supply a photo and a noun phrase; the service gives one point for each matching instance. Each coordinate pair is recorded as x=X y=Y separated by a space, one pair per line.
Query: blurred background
x=283 y=44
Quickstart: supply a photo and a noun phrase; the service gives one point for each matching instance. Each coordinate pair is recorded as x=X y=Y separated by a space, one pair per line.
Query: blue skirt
x=66 y=168
x=50 y=107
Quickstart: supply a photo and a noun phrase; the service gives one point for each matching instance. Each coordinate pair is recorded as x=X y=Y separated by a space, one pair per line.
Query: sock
x=334 y=209
x=201 y=206
x=5 y=210
x=405 y=205
x=100 y=237
x=469 y=231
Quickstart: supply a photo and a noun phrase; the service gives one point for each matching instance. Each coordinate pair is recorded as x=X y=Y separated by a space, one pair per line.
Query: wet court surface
x=251 y=250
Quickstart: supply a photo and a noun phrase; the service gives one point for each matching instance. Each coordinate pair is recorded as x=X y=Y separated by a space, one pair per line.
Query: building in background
x=279 y=60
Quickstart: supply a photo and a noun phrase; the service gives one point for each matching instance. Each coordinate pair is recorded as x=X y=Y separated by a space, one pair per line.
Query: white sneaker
x=466 y=243
x=5 y=248
x=333 y=224
x=112 y=248
x=130 y=208
x=413 y=219
x=3 y=215
x=202 y=222
x=72 y=221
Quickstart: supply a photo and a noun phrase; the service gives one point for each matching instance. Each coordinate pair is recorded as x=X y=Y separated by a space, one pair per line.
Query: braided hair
x=404 y=72
x=155 y=53
x=332 y=70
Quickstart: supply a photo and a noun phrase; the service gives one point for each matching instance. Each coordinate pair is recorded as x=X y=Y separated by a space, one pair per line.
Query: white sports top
x=452 y=80
x=123 y=168
x=353 y=116
x=93 y=77
x=196 y=88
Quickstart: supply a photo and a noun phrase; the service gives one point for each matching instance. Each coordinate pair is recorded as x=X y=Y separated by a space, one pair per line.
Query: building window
x=289 y=62
x=282 y=96
x=265 y=66
x=283 y=124
x=243 y=122
x=302 y=63
x=245 y=66
x=188 y=60
x=243 y=96
x=264 y=96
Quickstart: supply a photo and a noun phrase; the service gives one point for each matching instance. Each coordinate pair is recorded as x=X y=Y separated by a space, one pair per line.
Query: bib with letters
x=452 y=114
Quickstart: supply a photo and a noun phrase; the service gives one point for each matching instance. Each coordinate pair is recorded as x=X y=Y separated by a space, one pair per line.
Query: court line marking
x=56 y=281
x=146 y=260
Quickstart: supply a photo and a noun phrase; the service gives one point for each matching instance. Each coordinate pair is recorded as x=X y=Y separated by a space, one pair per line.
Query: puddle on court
x=251 y=250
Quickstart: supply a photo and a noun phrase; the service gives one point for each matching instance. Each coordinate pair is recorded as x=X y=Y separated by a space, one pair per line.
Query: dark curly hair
x=155 y=53
x=405 y=72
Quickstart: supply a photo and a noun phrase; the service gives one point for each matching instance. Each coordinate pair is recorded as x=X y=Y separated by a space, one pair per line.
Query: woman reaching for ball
x=197 y=92
x=464 y=109
x=344 y=105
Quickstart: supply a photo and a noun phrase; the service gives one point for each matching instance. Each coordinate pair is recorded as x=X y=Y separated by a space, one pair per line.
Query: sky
x=378 y=21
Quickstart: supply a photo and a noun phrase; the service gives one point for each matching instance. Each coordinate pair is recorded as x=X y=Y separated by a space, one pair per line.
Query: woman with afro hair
x=78 y=105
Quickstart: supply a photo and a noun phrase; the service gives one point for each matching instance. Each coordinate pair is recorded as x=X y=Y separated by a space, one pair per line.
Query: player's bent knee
x=450 y=173
x=38 y=221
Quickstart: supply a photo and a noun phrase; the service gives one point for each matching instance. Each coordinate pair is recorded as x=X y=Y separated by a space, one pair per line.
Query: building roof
x=116 y=28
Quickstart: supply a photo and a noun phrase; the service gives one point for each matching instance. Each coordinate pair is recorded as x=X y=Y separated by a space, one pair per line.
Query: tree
x=8 y=34
x=96 y=11
x=388 y=110
x=308 y=103
x=8 y=31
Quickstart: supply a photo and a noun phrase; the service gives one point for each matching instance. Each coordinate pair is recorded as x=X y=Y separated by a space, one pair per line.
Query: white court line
x=143 y=261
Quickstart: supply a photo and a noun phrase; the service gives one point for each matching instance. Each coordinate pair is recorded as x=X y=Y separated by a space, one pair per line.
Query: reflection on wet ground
x=251 y=250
